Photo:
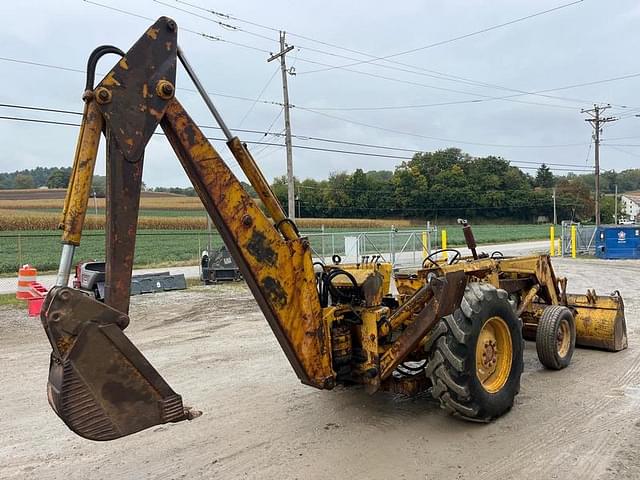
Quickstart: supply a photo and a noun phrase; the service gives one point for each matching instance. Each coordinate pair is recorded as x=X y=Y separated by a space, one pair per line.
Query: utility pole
x=284 y=49
x=595 y=120
x=615 y=206
x=555 y=216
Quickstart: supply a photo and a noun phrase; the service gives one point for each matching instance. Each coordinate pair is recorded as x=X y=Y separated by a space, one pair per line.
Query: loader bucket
x=600 y=321
x=100 y=384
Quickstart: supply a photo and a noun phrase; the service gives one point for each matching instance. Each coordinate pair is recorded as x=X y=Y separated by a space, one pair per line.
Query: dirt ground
x=214 y=347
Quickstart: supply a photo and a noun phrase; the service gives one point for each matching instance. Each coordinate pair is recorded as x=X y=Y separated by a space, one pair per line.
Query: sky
x=447 y=91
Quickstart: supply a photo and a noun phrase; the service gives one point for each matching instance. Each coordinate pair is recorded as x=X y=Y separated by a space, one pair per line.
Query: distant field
x=172 y=230
x=40 y=210
x=171 y=247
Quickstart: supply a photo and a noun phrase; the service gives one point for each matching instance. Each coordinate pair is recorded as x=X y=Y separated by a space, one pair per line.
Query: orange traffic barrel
x=26 y=276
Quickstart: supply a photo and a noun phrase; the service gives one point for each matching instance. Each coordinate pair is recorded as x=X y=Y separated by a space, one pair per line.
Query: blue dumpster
x=618 y=242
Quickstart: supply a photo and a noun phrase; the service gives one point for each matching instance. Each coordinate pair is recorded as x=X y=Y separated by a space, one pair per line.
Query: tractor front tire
x=476 y=363
x=556 y=337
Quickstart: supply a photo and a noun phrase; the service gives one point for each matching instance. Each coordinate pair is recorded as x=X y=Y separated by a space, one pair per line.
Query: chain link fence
x=399 y=247
x=173 y=248
x=153 y=248
x=585 y=239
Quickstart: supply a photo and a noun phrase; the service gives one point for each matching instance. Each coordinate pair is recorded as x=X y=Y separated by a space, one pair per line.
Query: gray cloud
x=590 y=41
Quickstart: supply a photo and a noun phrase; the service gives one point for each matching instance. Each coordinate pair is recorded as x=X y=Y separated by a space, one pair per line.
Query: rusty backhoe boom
x=99 y=382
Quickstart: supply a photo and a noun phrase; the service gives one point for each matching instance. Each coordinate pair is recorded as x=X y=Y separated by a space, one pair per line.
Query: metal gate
x=585 y=238
x=402 y=248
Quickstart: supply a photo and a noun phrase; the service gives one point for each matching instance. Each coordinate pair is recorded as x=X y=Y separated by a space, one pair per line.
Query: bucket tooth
x=100 y=384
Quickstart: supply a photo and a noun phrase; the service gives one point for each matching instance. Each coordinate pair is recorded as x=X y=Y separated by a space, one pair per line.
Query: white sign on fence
x=351 y=249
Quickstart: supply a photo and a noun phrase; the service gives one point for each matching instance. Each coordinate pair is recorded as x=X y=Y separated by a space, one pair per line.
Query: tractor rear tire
x=476 y=363
x=556 y=337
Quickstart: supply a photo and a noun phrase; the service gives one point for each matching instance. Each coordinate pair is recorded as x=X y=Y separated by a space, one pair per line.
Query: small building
x=631 y=205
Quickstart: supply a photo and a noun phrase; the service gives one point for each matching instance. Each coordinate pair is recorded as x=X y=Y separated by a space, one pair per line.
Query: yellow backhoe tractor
x=453 y=327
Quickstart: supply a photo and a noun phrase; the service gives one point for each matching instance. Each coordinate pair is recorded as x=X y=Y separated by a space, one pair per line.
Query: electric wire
x=468 y=35
x=259 y=97
x=219 y=39
x=298 y=136
x=420 y=70
x=559 y=167
x=438 y=139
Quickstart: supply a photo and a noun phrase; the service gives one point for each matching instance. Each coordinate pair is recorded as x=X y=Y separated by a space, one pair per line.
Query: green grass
x=153 y=247
x=498 y=233
x=174 y=247
x=10 y=300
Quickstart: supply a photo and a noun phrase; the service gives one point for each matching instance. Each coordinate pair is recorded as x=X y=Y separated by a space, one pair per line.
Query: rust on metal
x=133 y=113
x=261 y=186
x=100 y=384
x=410 y=306
x=290 y=305
x=447 y=293
x=600 y=320
x=527 y=299
x=409 y=386
x=122 y=202
x=77 y=196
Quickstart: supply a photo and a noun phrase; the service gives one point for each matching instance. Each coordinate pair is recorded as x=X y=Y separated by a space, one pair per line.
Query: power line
x=460 y=37
x=215 y=38
x=537 y=92
x=258 y=97
x=435 y=73
x=416 y=70
x=191 y=90
x=199 y=34
x=507 y=98
x=624 y=151
x=558 y=167
x=620 y=145
x=439 y=139
x=299 y=136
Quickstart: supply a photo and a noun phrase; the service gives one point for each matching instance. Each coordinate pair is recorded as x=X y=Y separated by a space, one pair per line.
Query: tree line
x=439 y=185
x=447 y=184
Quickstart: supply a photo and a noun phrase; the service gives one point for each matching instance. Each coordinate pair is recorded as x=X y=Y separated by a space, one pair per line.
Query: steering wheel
x=454 y=259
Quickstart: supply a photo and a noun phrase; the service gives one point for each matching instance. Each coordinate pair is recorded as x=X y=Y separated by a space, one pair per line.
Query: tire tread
x=446 y=367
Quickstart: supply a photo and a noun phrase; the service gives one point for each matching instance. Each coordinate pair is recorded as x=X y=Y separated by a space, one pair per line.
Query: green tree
x=58 y=179
x=607 y=209
x=544 y=177
x=24 y=180
x=574 y=200
x=99 y=185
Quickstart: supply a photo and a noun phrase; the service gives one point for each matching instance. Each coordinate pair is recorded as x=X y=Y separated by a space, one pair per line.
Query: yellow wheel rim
x=564 y=338
x=494 y=350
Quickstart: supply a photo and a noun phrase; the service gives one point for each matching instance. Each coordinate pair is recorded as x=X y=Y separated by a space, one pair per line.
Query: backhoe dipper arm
x=100 y=384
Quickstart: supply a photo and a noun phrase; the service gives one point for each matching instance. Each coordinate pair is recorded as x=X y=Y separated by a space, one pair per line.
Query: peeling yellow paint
x=153 y=33
x=123 y=64
x=110 y=80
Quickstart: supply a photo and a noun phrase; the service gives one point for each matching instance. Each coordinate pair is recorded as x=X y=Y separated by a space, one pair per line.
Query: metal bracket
x=134 y=95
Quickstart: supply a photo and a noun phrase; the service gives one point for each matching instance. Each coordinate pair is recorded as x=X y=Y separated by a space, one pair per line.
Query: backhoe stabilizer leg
x=99 y=383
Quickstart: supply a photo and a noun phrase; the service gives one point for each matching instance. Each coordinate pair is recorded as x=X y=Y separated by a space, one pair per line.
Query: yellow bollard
x=573 y=241
x=444 y=244
x=425 y=244
x=559 y=250
x=552 y=240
